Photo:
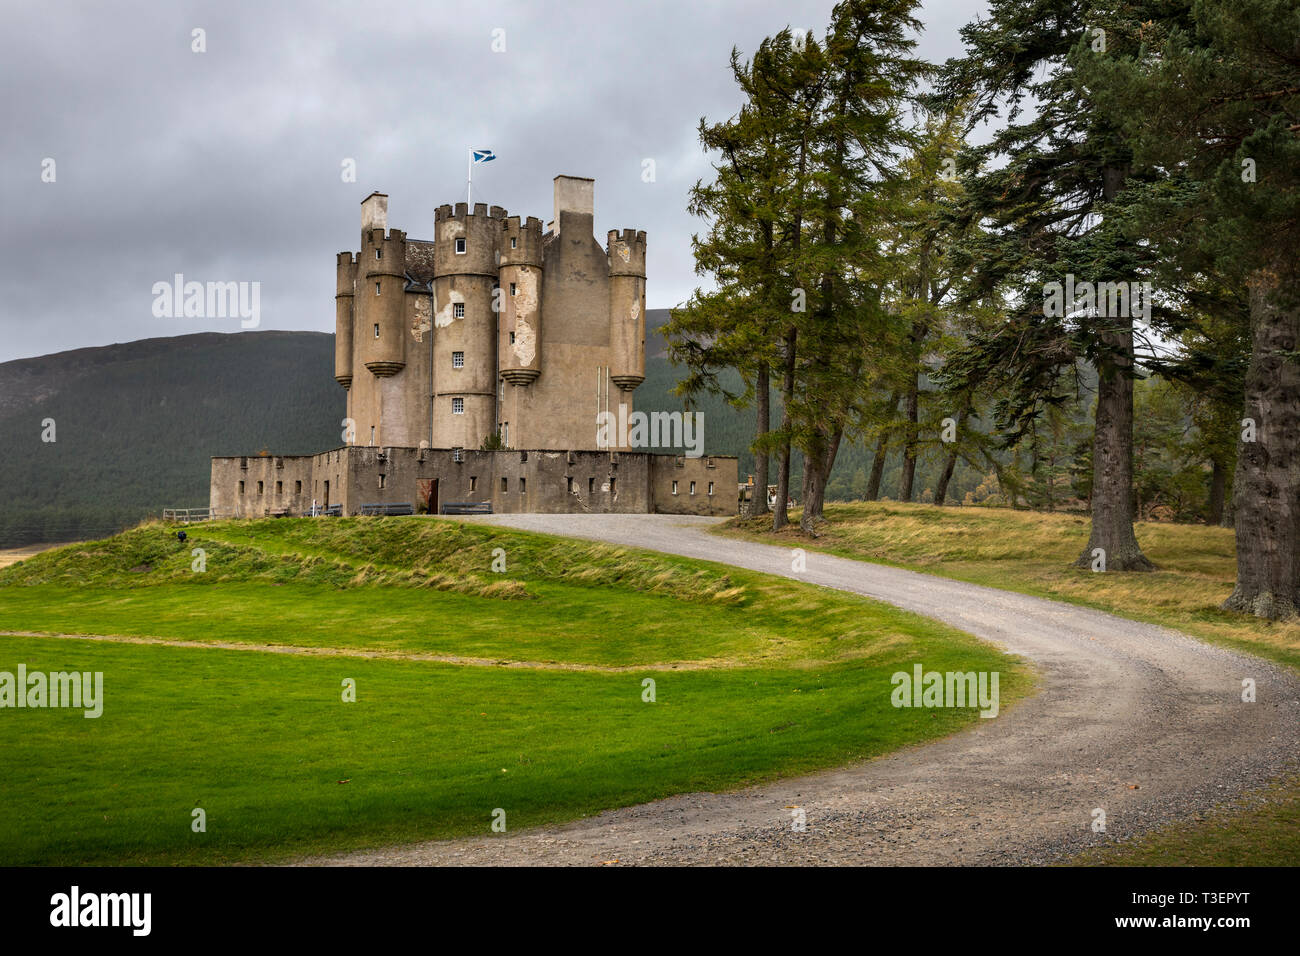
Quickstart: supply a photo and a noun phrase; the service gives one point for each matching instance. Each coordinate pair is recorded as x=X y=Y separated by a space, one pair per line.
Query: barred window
x=457 y=359
x=458 y=310
x=458 y=406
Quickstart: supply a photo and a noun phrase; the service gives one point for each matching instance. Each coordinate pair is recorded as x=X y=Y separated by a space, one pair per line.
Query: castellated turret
x=345 y=284
x=464 y=325
x=519 y=346
x=493 y=326
x=627 y=307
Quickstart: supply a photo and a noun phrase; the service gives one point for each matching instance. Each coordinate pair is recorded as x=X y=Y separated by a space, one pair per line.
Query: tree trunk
x=780 y=513
x=1266 y=490
x=909 y=447
x=817 y=473
x=814 y=474
x=941 y=489
x=1112 y=457
x=763 y=424
x=1218 y=490
x=878 y=461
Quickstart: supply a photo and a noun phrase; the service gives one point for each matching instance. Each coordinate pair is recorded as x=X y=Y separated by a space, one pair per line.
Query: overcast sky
x=226 y=164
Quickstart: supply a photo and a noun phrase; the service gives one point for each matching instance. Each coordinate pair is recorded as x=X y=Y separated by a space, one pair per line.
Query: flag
x=483 y=155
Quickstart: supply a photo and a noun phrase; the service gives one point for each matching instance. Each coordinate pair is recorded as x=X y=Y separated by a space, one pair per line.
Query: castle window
x=279 y=487
x=674 y=487
x=379 y=254
x=612 y=485
x=376 y=288
x=460 y=247
x=382 y=480
x=523 y=484
x=569 y=484
x=458 y=406
x=297 y=487
x=473 y=482
x=512 y=338
x=372 y=434
x=458 y=455
x=591 y=486
x=505 y=484
x=259 y=487
x=512 y=289
x=241 y=487
x=457 y=359
x=513 y=243
x=458 y=310
x=376 y=330
x=692 y=487
x=501 y=390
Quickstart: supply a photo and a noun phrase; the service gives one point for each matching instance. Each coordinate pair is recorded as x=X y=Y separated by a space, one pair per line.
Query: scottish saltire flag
x=483 y=155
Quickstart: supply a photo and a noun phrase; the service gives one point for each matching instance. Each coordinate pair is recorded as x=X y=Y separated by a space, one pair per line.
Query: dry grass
x=1032 y=552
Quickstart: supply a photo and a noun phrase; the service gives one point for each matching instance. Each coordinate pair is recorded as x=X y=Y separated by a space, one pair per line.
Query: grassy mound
x=752 y=677
x=365 y=552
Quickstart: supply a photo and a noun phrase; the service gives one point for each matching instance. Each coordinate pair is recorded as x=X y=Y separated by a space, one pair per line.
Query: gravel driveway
x=1144 y=723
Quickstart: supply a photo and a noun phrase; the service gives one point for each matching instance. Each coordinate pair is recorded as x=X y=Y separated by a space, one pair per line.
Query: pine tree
x=1213 y=94
x=1055 y=209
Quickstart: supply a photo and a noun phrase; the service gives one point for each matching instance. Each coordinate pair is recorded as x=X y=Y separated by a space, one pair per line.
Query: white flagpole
x=469 y=179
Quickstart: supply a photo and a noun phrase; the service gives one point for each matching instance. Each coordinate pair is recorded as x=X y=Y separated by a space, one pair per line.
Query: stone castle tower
x=494 y=325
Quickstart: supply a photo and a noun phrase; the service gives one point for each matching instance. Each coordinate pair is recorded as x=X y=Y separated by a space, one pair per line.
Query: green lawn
x=755 y=677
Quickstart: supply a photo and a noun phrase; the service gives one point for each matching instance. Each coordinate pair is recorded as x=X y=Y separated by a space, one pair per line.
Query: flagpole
x=469 y=178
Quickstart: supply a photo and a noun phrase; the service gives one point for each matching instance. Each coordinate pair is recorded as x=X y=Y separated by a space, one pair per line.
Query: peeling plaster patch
x=525 y=302
x=452 y=228
x=525 y=342
x=605 y=487
x=423 y=318
x=552 y=455
x=636 y=309
x=445 y=315
x=624 y=252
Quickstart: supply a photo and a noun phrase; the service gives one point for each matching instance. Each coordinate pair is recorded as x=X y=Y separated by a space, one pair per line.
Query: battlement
x=521 y=242
x=626 y=251
x=461 y=211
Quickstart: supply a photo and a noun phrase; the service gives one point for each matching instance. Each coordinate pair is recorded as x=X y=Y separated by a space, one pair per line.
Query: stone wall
x=514 y=481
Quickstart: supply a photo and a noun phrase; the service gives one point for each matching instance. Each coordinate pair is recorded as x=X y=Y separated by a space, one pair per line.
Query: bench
x=387 y=509
x=333 y=511
x=467 y=508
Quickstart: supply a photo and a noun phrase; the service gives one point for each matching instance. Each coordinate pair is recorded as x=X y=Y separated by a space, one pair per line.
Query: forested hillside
x=134 y=424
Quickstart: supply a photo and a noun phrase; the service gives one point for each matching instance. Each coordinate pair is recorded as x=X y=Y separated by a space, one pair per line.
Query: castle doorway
x=429 y=494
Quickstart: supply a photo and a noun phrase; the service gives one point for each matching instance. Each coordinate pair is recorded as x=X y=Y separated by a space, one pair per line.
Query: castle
x=477 y=367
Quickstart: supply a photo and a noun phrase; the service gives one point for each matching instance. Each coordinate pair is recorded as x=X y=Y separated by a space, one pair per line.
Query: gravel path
x=1142 y=722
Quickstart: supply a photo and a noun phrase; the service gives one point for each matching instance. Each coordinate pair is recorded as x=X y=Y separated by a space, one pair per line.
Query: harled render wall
x=548 y=482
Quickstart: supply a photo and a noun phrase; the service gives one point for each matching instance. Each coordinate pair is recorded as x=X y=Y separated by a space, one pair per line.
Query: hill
x=135 y=424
